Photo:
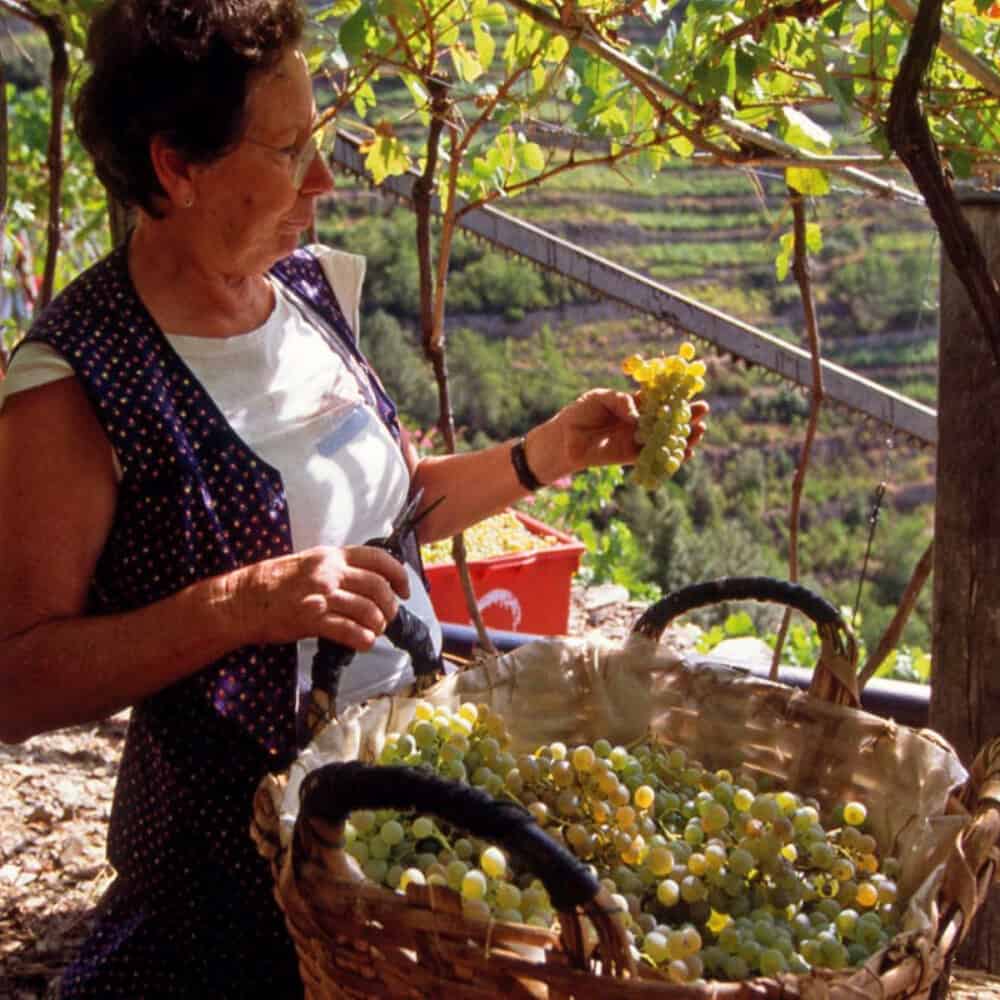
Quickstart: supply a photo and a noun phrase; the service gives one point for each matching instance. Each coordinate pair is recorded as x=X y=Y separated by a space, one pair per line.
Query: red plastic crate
x=517 y=592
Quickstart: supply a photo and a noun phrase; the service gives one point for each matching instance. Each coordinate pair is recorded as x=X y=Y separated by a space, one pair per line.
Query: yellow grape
x=494 y=536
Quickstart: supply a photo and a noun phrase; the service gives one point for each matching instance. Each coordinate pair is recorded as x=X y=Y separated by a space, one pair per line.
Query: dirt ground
x=55 y=798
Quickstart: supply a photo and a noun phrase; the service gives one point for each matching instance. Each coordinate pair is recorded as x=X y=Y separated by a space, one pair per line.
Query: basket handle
x=835 y=677
x=331 y=792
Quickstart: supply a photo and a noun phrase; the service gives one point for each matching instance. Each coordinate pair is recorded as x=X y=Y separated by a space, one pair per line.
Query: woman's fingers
x=699 y=411
x=349 y=595
x=365 y=599
x=367 y=609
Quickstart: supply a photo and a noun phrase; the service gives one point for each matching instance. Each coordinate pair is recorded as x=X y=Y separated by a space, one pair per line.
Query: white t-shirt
x=297 y=403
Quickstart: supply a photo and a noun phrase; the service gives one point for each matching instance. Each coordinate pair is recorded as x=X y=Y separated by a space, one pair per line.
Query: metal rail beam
x=636 y=291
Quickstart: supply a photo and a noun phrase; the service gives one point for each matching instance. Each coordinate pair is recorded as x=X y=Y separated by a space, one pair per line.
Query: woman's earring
x=188 y=202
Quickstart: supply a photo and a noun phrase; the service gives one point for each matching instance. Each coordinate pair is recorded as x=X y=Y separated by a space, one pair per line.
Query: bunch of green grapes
x=396 y=849
x=713 y=876
x=498 y=535
x=666 y=384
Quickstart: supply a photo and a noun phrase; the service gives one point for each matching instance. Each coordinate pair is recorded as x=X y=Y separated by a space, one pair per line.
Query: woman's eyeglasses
x=299 y=160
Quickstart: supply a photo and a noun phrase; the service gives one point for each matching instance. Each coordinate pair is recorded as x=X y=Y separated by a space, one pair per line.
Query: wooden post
x=965 y=689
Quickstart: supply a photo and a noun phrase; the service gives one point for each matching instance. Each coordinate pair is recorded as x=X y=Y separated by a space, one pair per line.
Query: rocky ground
x=55 y=797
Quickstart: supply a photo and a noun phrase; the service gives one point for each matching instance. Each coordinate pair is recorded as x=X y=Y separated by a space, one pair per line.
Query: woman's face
x=251 y=213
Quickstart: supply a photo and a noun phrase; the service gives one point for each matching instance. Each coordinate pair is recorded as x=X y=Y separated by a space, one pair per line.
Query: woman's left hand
x=598 y=428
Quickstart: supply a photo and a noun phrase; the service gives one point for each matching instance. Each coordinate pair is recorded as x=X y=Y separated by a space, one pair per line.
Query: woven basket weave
x=356 y=939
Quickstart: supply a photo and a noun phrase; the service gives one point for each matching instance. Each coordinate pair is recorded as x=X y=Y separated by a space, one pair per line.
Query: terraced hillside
x=713 y=235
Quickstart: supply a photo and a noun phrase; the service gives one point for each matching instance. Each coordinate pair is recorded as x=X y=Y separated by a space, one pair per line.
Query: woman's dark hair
x=179 y=69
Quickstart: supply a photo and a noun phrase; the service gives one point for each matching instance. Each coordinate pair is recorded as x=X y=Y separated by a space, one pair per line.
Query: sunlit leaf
x=385 y=156
x=800 y=130
x=466 y=63
x=807 y=180
x=681 y=145
x=353 y=33
x=485 y=45
x=532 y=156
x=364 y=99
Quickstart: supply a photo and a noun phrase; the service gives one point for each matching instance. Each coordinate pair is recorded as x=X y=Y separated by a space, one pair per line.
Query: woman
x=192 y=450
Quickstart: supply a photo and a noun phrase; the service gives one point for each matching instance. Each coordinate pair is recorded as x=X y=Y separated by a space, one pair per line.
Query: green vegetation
x=726 y=513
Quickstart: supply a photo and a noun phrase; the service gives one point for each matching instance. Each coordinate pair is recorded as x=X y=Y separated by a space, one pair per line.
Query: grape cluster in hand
x=666 y=384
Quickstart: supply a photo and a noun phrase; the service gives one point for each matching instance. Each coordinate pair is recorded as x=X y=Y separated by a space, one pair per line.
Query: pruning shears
x=406 y=631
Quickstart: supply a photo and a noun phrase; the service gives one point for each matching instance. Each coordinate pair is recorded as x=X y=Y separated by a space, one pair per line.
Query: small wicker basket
x=356 y=939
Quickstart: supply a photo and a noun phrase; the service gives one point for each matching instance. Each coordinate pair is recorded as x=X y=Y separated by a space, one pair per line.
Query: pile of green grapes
x=714 y=876
x=498 y=535
x=666 y=384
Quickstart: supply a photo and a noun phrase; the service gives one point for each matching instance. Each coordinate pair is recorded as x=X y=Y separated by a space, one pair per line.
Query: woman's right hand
x=348 y=595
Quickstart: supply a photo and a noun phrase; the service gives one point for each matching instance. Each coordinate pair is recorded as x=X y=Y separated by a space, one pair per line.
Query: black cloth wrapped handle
x=331 y=792
x=735 y=588
x=836 y=673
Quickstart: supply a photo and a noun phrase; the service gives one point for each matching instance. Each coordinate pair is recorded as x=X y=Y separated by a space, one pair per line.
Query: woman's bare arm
x=58 y=667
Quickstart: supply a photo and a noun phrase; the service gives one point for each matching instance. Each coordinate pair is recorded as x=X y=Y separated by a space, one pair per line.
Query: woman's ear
x=173 y=172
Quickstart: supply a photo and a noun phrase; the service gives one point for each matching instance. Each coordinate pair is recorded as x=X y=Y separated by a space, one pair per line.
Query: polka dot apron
x=191 y=913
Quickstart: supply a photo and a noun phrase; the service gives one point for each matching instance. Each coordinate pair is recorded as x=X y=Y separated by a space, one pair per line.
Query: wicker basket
x=357 y=939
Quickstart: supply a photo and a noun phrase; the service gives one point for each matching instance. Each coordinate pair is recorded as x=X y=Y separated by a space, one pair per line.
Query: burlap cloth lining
x=578 y=690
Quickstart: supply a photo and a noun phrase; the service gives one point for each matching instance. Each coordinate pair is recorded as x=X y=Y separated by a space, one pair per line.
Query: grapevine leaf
x=783 y=261
x=531 y=156
x=364 y=99
x=961 y=162
x=557 y=49
x=489 y=14
x=814 y=237
x=385 y=156
x=485 y=45
x=807 y=180
x=800 y=130
x=353 y=34
x=739 y=625
x=681 y=145
x=467 y=65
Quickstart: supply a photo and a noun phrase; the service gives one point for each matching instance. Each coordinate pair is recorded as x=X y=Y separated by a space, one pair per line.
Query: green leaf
x=557 y=49
x=738 y=625
x=385 y=156
x=364 y=99
x=532 y=156
x=807 y=180
x=353 y=33
x=800 y=130
x=783 y=261
x=961 y=162
x=489 y=13
x=485 y=45
x=467 y=65
x=814 y=237
x=681 y=145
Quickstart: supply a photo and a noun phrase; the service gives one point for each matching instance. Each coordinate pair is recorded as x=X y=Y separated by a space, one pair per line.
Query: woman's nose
x=319 y=177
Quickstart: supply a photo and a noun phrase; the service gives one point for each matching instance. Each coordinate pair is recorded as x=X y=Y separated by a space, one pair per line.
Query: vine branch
x=432 y=295
x=894 y=630
x=977 y=68
x=802 y=10
x=911 y=139
x=800 y=268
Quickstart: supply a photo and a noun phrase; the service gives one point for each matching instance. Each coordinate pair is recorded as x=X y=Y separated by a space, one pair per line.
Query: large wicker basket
x=357 y=939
